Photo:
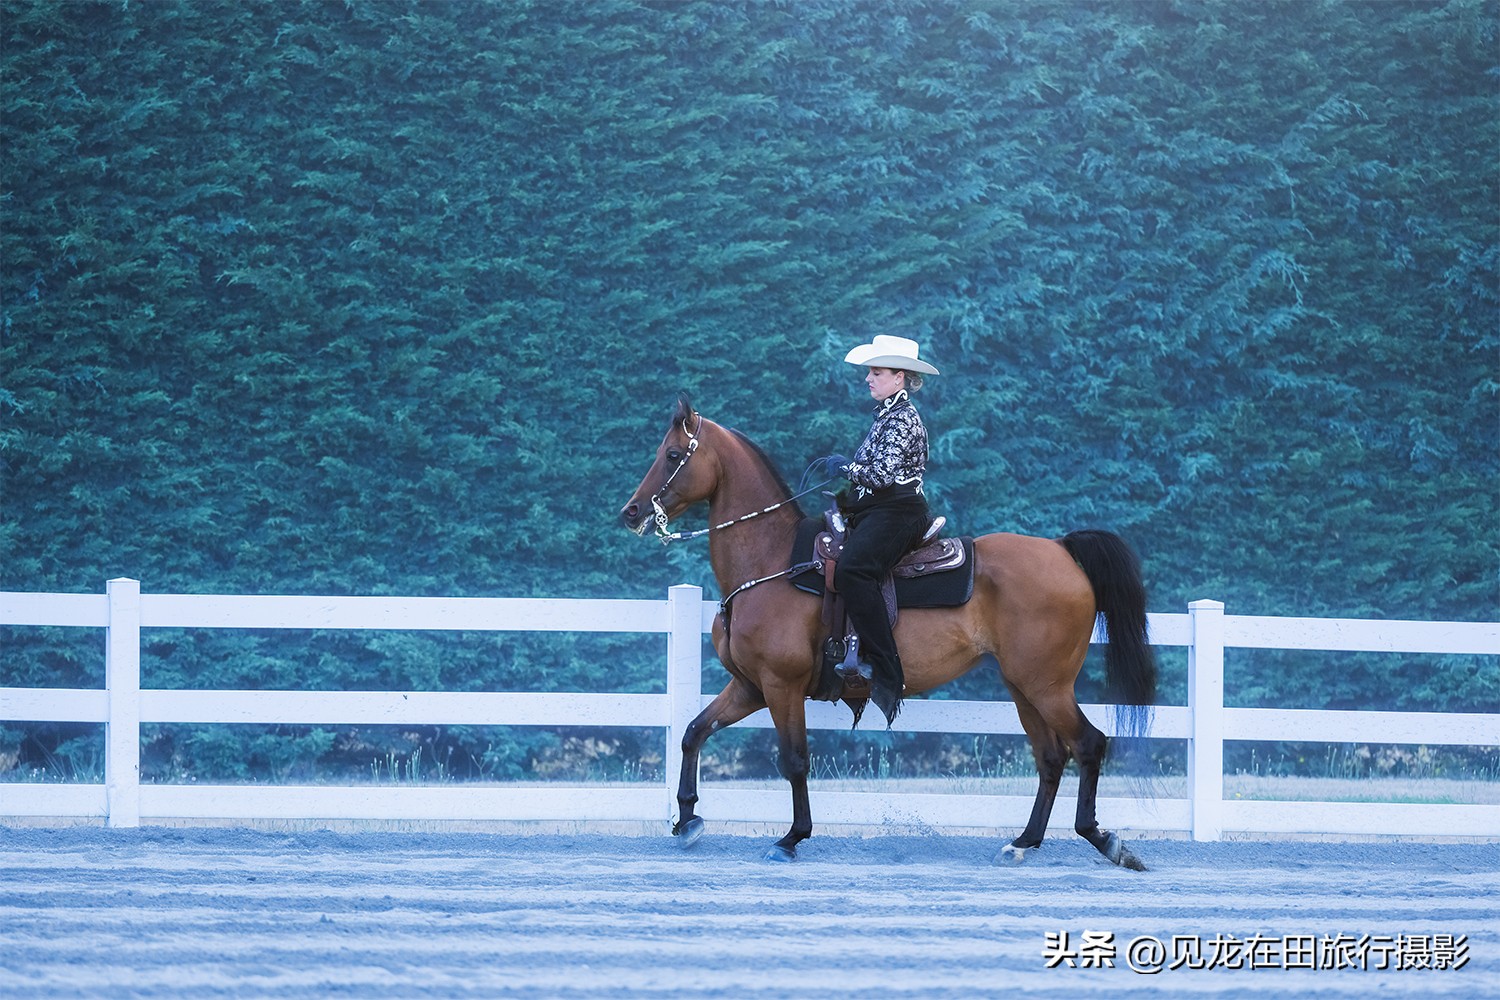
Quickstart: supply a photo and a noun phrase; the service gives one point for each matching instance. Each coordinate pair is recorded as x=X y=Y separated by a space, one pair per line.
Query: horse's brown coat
x=1033 y=607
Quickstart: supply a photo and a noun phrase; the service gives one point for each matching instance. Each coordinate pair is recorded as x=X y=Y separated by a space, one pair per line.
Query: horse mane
x=765 y=460
x=685 y=411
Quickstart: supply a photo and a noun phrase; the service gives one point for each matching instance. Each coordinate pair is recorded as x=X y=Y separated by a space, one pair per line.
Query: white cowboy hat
x=889 y=352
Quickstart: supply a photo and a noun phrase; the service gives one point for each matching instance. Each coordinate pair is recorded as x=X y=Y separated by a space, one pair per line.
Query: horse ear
x=684 y=408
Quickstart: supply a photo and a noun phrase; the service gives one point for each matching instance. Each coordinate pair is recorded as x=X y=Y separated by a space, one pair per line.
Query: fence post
x=122 y=680
x=684 y=676
x=1206 y=709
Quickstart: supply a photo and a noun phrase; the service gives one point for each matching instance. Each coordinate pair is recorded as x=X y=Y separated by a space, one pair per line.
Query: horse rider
x=884 y=507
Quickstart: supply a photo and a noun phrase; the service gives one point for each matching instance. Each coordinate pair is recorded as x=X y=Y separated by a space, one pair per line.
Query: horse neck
x=761 y=545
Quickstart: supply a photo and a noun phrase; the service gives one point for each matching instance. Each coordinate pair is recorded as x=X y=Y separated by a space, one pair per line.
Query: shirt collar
x=892 y=401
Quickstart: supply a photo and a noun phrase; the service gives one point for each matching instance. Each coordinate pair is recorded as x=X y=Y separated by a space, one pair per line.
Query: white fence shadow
x=1205 y=723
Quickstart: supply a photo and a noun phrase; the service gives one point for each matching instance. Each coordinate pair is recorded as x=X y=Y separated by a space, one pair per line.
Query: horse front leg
x=734 y=703
x=789 y=713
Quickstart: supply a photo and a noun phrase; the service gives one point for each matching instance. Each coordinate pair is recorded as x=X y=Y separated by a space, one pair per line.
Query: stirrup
x=854 y=666
x=933 y=531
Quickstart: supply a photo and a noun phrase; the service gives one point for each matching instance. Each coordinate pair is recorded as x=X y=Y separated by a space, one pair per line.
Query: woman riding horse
x=1033 y=606
x=884 y=507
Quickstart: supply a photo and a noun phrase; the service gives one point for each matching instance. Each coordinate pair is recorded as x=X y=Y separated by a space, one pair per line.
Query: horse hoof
x=1116 y=851
x=1010 y=854
x=781 y=854
x=690 y=832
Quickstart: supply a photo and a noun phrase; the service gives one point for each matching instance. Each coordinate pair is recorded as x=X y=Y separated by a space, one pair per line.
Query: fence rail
x=122 y=706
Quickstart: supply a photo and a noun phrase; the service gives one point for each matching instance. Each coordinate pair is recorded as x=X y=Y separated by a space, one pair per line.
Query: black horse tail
x=1129 y=663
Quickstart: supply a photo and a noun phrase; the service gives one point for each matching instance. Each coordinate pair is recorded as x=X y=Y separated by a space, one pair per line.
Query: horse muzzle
x=635 y=517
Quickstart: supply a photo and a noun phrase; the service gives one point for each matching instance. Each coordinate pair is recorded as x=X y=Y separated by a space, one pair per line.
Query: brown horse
x=1034 y=606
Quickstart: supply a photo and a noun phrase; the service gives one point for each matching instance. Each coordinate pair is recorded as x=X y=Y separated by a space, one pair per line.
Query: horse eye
x=674 y=455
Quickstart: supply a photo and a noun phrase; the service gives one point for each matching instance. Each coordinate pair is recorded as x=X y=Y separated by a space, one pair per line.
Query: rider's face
x=885 y=382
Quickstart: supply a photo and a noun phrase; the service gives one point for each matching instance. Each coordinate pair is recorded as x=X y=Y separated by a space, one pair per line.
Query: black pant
x=877 y=539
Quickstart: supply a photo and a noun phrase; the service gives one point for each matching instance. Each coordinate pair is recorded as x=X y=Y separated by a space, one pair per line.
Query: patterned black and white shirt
x=894 y=453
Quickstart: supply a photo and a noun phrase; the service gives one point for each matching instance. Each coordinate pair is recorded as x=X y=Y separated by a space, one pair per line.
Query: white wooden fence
x=122 y=706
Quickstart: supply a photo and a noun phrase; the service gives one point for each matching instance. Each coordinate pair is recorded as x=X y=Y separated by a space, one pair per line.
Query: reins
x=677 y=536
x=792 y=570
x=660 y=517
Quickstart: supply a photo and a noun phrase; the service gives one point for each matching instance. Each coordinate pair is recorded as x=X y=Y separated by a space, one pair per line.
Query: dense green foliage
x=395 y=297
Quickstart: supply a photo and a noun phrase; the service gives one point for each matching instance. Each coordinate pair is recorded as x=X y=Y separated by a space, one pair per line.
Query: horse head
x=674 y=482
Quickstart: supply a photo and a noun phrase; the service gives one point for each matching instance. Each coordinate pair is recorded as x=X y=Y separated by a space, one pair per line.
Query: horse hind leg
x=1051 y=756
x=734 y=703
x=1089 y=750
x=1057 y=730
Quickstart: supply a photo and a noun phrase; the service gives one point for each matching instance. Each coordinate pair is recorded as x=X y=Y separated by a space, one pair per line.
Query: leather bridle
x=659 y=515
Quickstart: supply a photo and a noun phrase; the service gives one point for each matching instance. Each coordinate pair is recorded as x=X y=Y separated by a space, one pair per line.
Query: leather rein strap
x=660 y=516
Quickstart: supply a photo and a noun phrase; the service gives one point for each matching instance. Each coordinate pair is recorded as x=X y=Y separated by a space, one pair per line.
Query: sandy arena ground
x=177 y=912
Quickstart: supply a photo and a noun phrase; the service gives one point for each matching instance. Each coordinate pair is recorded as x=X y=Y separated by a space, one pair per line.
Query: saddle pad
x=937 y=590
